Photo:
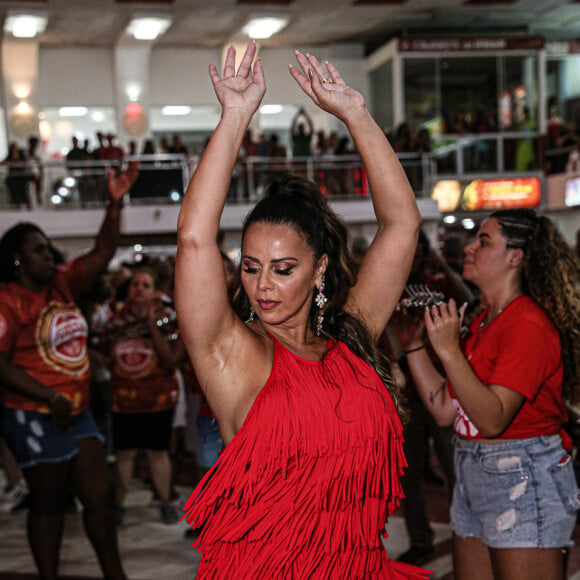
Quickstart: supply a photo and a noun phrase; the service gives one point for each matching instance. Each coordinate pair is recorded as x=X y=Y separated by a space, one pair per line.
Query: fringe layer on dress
x=305 y=487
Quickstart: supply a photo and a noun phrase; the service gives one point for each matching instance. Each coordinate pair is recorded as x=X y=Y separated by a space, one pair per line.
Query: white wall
x=76 y=76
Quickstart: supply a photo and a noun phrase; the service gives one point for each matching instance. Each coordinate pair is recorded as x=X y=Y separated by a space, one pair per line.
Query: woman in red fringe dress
x=304 y=402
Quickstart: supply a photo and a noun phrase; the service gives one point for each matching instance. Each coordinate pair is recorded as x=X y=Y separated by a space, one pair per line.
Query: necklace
x=484 y=321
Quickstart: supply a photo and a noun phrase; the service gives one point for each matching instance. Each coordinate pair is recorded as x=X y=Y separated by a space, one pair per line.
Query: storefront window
x=422 y=93
x=519 y=93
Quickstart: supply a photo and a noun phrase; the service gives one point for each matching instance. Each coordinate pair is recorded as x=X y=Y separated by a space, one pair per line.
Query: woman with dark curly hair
x=44 y=374
x=304 y=402
x=508 y=384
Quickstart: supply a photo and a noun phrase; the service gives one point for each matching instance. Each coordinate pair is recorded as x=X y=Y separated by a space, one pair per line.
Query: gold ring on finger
x=327 y=79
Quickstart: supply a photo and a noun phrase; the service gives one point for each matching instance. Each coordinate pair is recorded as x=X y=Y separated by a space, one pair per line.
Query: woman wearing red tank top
x=304 y=401
x=515 y=499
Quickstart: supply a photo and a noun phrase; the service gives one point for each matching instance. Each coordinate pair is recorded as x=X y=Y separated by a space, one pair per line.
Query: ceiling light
x=175 y=110
x=98 y=116
x=148 y=28
x=264 y=27
x=72 y=111
x=25 y=25
x=449 y=219
x=271 y=109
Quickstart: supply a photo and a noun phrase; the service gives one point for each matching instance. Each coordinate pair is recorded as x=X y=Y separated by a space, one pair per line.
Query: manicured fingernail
x=296 y=52
x=308 y=54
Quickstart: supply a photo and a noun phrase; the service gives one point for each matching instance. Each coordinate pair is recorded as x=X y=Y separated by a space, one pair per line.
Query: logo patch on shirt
x=61 y=335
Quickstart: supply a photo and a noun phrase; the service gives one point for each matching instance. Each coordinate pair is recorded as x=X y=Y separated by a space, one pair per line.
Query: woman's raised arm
x=386 y=265
x=206 y=319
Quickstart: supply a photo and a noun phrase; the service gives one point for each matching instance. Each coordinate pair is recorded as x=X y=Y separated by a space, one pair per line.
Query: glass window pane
x=421 y=91
x=519 y=93
x=469 y=94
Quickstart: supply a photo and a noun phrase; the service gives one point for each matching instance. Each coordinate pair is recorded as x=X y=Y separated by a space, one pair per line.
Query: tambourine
x=418 y=297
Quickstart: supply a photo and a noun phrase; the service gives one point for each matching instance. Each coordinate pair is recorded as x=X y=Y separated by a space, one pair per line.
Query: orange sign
x=514 y=192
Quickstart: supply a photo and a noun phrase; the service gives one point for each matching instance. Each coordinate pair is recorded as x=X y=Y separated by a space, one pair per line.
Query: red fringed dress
x=305 y=487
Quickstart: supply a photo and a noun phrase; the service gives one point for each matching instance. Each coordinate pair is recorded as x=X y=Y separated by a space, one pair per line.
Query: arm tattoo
x=434 y=394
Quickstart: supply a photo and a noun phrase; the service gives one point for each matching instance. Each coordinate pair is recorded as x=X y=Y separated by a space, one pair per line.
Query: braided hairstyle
x=298 y=203
x=550 y=275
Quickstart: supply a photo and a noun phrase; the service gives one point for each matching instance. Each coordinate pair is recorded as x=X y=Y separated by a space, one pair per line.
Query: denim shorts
x=33 y=439
x=520 y=493
x=209 y=442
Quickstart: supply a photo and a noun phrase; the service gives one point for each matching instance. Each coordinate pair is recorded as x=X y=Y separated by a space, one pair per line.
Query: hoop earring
x=320 y=300
x=252 y=316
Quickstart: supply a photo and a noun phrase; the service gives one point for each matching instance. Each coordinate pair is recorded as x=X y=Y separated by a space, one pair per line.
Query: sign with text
x=482 y=44
x=487 y=194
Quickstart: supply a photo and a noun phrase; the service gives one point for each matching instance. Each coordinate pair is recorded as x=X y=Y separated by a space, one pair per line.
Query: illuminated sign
x=487 y=194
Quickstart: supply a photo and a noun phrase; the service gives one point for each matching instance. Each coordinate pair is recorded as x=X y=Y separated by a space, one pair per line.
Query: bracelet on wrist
x=414 y=349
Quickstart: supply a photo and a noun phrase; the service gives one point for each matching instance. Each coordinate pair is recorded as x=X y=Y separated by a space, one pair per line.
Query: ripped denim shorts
x=520 y=493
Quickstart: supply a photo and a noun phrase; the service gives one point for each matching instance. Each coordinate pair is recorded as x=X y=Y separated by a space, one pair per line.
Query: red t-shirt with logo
x=139 y=382
x=520 y=350
x=45 y=334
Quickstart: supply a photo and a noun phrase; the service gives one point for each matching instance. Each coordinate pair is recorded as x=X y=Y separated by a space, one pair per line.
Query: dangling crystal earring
x=252 y=316
x=320 y=300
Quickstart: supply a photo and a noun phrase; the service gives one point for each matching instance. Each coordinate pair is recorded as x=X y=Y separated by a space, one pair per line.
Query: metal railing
x=55 y=184
x=488 y=152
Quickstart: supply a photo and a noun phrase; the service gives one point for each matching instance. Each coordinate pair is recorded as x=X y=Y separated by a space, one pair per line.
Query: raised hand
x=243 y=89
x=443 y=324
x=119 y=185
x=325 y=86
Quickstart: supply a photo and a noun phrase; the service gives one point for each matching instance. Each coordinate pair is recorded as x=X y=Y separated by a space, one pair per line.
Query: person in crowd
x=248 y=175
x=508 y=383
x=148 y=147
x=301 y=135
x=145 y=350
x=525 y=147
x=321 y=145
x=430 y=271
x=76 y=165
x=44 y=373
x=404 y=140
x=304 y=402
x=76 y=153
x=34 y=169
x=177 y=147
x=16 y=180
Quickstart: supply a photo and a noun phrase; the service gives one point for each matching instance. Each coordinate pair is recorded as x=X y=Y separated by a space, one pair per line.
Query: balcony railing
x=55 y=184
x=488 y=153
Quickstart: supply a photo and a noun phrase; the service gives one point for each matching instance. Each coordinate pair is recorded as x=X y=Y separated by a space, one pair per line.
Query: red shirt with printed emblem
x=46 y=336
x=519 y=350
x=139 y=382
